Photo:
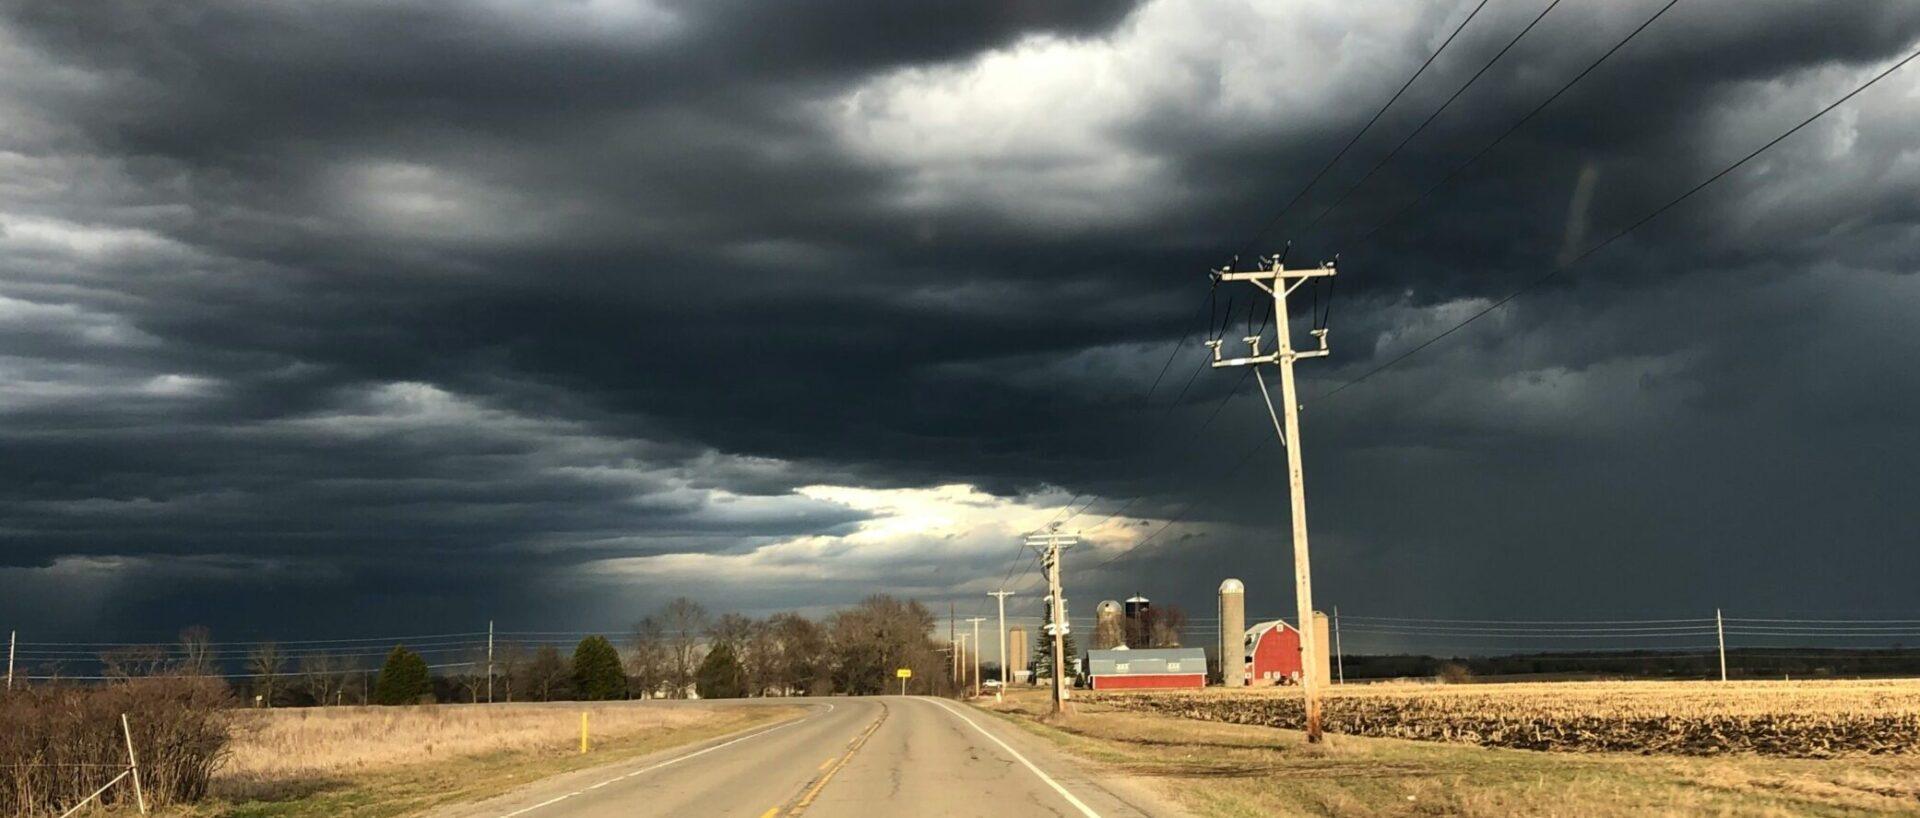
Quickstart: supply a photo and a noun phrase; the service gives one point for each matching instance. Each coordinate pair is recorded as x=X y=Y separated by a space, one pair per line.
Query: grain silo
x=1233 y=633
x=1138 y=629
x=1108 y=629
x=1017 y=652
x=1321 y=667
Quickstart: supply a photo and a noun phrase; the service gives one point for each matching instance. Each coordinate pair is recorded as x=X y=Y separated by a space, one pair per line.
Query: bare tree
x=1165 y=625
x=509 y=657
x=873 y=639
x=760 y=659
x=472 y=677
x=324 y=677
x=547 y=674
x=196 y=650
x=266 y=663
x=685 y=623
x=734 y=631
x=800 y=659
x=648 y=658
x=121 y=664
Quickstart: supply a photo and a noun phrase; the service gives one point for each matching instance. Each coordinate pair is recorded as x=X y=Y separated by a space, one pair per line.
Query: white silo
x=1233 y=633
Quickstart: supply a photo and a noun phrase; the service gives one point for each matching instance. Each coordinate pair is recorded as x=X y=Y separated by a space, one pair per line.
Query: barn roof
x=1146 y=661
x=1260 y=629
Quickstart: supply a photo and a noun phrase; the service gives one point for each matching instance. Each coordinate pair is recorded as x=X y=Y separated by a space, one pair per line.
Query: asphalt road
x=846 y=758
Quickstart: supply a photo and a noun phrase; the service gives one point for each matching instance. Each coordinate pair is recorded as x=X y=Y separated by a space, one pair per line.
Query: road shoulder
x=1106 y=788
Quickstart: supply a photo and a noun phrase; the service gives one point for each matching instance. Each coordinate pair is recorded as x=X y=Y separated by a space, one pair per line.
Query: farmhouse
x=1124 y=669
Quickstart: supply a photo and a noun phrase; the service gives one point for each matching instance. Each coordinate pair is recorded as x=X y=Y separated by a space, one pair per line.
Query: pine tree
x=719 y=675
x=1043 y=658
x=404 y=679
x=597 y=675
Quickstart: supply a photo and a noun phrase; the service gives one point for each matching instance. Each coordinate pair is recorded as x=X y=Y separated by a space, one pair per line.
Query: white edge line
x=1084 y=809
x=669 y=762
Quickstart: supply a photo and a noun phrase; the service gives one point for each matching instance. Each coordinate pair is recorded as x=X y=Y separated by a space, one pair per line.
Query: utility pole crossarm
x=1279 y=282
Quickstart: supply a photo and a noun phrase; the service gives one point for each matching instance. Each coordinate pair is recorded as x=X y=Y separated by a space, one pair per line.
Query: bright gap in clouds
x=943 y=539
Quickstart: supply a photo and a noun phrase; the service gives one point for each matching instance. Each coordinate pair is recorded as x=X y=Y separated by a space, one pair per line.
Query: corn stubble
x=1785 y=719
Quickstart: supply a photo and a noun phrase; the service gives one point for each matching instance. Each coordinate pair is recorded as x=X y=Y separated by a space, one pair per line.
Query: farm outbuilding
x=1123 y=669
x=1273 y=652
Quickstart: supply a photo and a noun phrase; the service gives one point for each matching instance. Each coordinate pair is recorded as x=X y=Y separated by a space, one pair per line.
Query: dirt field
x=1241 y=771
x=386 y=761
x=1807 y=719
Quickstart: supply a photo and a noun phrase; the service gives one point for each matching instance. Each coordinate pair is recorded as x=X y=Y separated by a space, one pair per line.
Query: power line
x=1455 y=173
x=1589 y=252
x=1275 y=221
x=1431 y=117
x=1255 y=239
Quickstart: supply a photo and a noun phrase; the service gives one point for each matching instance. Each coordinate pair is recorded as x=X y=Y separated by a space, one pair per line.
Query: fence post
x=583 y=732
x=133 y=765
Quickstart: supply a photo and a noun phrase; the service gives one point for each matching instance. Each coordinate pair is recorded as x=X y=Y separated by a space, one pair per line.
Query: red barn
x=1121 y=668
x=1273 y=654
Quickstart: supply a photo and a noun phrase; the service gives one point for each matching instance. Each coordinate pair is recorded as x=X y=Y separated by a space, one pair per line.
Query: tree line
x=680 y=650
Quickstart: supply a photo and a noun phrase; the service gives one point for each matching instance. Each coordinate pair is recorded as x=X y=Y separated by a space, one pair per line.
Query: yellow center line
x=823 y=764
x=833 y=766
x=771 y=811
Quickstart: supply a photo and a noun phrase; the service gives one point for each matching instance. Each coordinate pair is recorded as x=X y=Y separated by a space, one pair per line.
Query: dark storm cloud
x=447 y=297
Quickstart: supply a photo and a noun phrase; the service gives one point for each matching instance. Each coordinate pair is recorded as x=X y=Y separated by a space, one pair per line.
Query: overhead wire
x=1557 y=269
x=1522 y=121
x=1335 y=159
x=1432 y=116
x=1655 y=213
x=1288 y=207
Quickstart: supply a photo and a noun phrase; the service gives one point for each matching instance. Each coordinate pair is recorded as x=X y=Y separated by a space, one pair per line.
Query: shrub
x=403 y=679
x=61 y=743
x=597 y=675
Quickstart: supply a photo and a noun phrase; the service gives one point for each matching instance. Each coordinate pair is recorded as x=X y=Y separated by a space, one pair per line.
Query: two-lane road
x=847 y=758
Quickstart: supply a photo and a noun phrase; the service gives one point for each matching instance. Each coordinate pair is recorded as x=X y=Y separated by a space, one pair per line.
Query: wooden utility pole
x=976 y=653
x=489 y=661
x=1050 y=544
x=953 y=641
x=1001 y=597
x=1280 y=282
x=1720 y=628
x=13 y=638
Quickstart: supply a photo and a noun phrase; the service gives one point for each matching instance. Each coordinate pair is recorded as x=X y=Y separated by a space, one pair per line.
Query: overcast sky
x=359 y=318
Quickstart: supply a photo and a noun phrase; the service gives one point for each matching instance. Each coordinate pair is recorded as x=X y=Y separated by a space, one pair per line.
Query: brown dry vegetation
x=59 y=743
x=1812 y=719
x=385 y=761
x=1220 y=769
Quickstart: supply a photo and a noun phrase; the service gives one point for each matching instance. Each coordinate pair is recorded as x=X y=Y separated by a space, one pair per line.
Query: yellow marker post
x=583 y=732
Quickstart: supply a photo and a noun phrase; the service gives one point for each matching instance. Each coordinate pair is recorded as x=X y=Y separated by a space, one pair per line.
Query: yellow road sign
x=903 y=673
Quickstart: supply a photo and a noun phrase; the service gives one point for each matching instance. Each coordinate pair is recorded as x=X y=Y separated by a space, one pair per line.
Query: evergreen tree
x=403 y=679
x=719 y=675
x=597 y=675
x=1043 y=658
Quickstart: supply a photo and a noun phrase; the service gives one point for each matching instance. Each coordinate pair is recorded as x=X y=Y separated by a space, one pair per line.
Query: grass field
x=1807 y=719
x=372 y=762
x=1236 y=770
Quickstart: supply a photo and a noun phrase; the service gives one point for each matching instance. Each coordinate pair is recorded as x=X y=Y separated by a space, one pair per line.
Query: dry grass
x=387 y=761
x=1813 y=719
x=281 y=744
x=1220 y=769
